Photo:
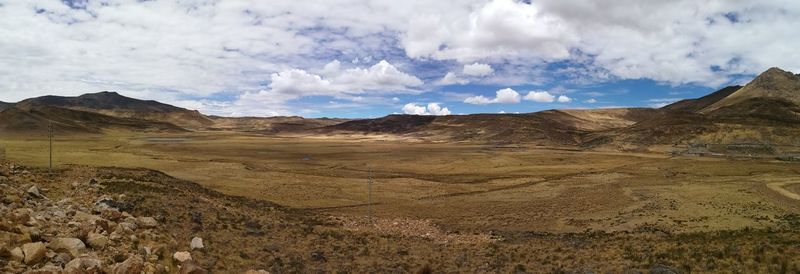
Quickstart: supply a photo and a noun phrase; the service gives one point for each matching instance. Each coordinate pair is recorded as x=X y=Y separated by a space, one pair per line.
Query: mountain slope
x=272 y=124
x=695 y=105
x=773 y=83
x=562 y=127
x=4 y=105
x=37 y=119
x=116 y=105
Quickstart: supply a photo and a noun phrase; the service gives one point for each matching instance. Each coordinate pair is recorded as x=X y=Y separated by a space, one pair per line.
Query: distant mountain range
x=766 y=110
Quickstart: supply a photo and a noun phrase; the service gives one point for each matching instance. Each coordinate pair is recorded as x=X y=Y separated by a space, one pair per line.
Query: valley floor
x=467 y=207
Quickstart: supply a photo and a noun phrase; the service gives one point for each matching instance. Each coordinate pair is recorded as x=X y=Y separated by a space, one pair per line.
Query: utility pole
x=50 y=135
x=369 y=196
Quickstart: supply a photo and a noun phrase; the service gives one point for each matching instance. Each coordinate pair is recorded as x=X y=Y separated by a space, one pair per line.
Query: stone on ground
x=182 y=256
x=34 y=252
x=197 y=243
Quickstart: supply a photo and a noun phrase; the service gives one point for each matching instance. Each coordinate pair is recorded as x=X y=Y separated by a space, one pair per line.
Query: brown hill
x=773 y=83
x=271 y=124
x=4 y=105
x=37 y=119
x=765 y=111
x=562 y=127
x=116 y=105
x=695 y=105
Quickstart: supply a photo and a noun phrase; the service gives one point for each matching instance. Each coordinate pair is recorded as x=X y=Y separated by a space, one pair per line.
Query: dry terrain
x=544 y=208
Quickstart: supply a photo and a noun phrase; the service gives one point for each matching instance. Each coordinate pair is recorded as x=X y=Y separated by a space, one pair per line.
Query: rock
x=190 y=267
x=150 y=268
x=197 y=243
x=197 y=217
x=662 y=269
x=318 y=256
x=33 y=191
x=256 y=272
x=84 y=265
x=146 y=222
x=48 y=269
x=34 y=252
x=109 y=203
x=74 y=246
x=19 y=217
x=10 y=240
x=83 y=217
x=124 y=228
x=96 y=240
x=17 y=255
x=133 y=265
x=61 y=259
x=35 y=234
x=182 y=256
x=12 y=199
x=111 y=214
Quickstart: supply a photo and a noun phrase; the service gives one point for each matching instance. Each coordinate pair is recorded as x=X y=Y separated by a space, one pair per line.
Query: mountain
x=774 y=84
x=695 y=105
x=272 y=124
x=551 y=127
x=4 y=105
x=37 y=119
x=765 y=111
x=116 y=105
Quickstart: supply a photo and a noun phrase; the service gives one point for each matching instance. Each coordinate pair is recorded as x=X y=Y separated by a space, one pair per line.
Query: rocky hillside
x=111 y=220
x=773 y=84
x=115 y=105
x=4 y=105
x=272 y=124
x=37 y=120
x=559 y=127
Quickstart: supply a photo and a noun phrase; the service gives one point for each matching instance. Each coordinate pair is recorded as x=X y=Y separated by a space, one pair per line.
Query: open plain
x=635 y=210
x=461 y=187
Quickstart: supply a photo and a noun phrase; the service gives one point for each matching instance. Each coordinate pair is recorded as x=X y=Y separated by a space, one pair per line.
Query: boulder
x=74 y=246
x=256 y=272
x=34 y=252
x=182 y=256
x=61 y=259
x=151 y=268
x=84 y=265
x=17 y=255
x=9 y=240
x=48 y=269
x=33 y=191
x=197 y=243
x=146 y=222
x=190 y=267
x=662 y=269
x=83 y=217
x=96 y=240
x=133 y=265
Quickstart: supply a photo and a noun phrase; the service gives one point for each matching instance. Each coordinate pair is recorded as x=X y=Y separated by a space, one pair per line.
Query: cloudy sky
x=369 y=58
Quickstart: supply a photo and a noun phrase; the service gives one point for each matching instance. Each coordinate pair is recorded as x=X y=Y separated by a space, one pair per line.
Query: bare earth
x=482 y=195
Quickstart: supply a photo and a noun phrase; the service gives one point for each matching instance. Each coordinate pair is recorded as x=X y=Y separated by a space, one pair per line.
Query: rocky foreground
x=113 y=220
x=68 y=224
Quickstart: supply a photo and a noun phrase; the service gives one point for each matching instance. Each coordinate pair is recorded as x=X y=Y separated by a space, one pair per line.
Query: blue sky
x=350 y=58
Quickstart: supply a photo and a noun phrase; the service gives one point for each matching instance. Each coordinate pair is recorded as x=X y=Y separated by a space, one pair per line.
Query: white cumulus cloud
x=564 y=99
x=431 y=109
x=503 y=96
x=477 y=69
x=540 y=96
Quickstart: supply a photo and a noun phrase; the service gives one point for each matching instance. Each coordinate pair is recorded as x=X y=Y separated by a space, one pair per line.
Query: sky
x=371 y=58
